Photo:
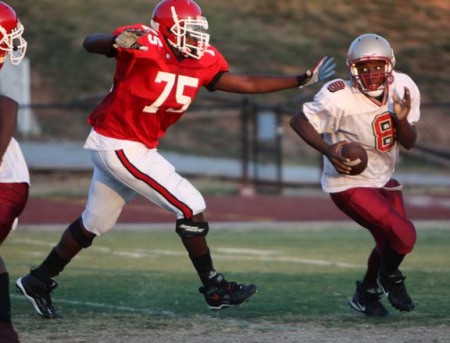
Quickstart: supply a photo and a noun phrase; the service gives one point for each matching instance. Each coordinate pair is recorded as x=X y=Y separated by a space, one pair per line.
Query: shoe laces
x=396 y=279
x=49 y=285
x=370 y=294
x=218 y=284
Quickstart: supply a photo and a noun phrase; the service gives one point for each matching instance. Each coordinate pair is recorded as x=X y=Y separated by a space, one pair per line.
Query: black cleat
x=367 y=300
x=220 y=294
x=38 y=292
x=393 y=287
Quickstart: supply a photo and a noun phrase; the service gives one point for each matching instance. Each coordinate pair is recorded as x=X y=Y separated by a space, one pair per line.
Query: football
x=357 y=155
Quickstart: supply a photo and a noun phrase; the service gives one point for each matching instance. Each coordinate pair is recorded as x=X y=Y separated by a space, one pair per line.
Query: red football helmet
x=181 y=22
x=11 y=42
x=371 y=47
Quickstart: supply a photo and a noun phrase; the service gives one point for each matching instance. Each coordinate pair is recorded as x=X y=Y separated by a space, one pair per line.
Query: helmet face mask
x=182 y=24
x=12 y=43
x=372 y=75
x=371 y=50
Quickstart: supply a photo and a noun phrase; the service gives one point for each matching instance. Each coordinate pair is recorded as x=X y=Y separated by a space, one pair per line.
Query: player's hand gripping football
x=402 y=106
x=322 y=71
x=334 y=155
x=128 y=39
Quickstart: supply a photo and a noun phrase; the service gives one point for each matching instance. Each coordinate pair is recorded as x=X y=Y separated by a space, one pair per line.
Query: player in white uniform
x=377 y=108
x=14 y=177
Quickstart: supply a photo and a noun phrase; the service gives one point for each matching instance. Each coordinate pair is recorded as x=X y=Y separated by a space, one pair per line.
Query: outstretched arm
x=252 y=84
x=8 y=121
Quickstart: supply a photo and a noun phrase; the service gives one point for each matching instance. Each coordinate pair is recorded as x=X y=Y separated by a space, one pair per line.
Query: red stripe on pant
x=187 y=212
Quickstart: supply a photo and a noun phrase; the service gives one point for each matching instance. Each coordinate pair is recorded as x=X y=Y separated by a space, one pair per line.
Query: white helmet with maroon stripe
x=371 y=47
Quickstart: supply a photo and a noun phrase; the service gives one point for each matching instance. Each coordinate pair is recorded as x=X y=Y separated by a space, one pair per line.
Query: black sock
x=373 y=266
x=5 y=302
x=50 y=267
x=204 y=266
x=391 y=260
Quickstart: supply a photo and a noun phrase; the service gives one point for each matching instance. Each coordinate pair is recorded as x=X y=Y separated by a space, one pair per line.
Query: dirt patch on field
x=239 y=332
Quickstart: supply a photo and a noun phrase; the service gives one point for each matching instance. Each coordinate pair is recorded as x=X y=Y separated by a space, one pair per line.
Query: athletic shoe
x=367 y=300
x=393 y=287
x=38 y=293
x=220 y=294
x=8 y=334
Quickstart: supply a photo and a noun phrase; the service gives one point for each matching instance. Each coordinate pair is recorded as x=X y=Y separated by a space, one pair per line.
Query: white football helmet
x=181 y=22
x=11 y=42
x=371 y=47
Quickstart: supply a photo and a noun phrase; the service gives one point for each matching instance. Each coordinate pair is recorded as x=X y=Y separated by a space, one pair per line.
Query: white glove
x=322 y=71
x=128 y=39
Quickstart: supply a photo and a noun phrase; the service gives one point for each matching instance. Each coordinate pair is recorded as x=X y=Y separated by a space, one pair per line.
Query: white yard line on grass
x=107 y=306
x=222 y=253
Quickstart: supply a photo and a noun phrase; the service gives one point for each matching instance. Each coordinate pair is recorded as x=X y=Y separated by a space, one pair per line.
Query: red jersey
x=152 y=89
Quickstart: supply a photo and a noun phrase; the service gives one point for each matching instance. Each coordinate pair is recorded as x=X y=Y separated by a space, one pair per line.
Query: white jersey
x=13 y=167
x=342 y=112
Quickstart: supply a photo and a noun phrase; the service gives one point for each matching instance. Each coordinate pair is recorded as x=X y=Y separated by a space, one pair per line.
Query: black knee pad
x=188 y=228
x=76 y=230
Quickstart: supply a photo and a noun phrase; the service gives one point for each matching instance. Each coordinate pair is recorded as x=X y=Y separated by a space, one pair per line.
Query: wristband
x=301 y=79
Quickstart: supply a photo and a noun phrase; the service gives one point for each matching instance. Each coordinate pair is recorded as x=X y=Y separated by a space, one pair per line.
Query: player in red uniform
x=158 y=73
x=14 y=176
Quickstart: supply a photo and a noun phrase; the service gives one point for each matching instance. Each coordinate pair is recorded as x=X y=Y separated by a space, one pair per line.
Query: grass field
x=139 y=286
